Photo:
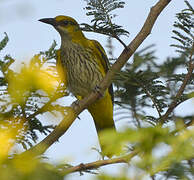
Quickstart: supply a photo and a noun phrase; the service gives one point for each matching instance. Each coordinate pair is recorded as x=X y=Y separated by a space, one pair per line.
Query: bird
x=82 y=64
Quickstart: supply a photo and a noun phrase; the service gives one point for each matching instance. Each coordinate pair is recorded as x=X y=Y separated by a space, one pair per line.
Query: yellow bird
x=83 y=63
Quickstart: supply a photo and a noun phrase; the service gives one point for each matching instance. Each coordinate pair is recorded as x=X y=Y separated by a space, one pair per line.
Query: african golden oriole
x=83 y=63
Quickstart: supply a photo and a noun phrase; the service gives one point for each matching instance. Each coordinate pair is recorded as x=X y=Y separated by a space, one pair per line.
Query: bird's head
x=65 y=25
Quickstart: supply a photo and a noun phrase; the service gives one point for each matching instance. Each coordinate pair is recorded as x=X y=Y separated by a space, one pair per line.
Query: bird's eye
x=65 y=23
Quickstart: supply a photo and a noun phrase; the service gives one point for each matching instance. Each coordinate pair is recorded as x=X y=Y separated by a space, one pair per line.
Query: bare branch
x=94 y=165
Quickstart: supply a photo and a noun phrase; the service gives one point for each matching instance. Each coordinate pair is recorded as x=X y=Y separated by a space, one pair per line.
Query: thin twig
x=175 y=103
x=94 y=165
x=151 y=97
x=134 y=113
x=111 y=25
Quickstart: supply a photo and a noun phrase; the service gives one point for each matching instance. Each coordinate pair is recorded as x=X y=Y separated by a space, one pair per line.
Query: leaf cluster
x=184 y=30
x=29 y=93
x=146 y=88
x=28 y=167
x=102 y=18
x=161 y=151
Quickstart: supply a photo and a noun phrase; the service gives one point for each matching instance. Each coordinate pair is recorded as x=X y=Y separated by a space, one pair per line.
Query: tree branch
x=94 y=165
x=151 y=97
x=180 y=91
x=75 y=109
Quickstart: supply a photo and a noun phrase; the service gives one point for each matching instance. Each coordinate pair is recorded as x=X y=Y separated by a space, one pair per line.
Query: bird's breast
x=83 y=70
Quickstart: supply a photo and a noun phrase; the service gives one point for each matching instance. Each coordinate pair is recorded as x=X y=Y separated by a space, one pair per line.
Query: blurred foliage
x=184 y=31
x=24 y=96
x=146 y=83
x=144 y=90
x=161 y=150
x=27 y=94
x=27 y=167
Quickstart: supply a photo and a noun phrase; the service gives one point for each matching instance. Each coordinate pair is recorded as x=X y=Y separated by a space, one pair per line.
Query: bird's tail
x=102 y=113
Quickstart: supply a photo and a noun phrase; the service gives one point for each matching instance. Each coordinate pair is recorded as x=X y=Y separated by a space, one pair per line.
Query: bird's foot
x=76 y=105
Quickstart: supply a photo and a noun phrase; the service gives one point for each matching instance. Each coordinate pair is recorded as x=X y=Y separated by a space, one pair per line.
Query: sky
x=28 y=36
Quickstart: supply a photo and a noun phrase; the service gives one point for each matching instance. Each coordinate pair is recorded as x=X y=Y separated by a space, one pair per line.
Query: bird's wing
x=105 y=63
x=60 y=68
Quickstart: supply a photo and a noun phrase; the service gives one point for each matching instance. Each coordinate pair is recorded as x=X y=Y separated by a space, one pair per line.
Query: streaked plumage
x=83 y=73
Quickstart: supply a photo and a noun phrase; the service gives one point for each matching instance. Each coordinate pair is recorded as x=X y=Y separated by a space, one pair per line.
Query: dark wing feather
x=105 y=62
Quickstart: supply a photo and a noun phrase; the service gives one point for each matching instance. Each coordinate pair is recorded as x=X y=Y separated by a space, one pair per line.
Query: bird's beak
x=50 y=21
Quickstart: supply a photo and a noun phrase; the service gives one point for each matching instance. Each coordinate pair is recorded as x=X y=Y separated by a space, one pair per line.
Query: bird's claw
x=75 y=104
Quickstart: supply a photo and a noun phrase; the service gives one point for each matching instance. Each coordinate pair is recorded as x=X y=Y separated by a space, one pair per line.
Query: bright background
x=28 y=36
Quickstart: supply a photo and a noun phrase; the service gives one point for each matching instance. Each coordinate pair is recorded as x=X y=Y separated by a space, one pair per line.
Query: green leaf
x=4 y=42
